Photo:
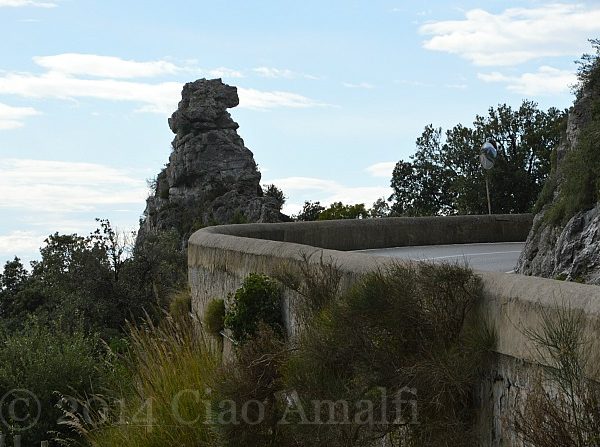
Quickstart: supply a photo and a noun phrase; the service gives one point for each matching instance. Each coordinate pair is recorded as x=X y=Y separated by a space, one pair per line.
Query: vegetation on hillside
x=576 y=182
x=395 y=357
x=62 y=320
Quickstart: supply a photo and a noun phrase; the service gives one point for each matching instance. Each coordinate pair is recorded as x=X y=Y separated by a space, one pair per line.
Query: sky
x=332 y=93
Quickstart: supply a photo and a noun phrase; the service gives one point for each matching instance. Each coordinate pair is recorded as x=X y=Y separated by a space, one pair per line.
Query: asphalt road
x=492 y=257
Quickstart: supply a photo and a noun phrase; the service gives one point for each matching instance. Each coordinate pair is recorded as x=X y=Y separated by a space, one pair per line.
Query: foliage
x=310 y=211
x=254 y=373
x=47 y=361
x=564 y=406
x=170 y=368
x=380 y=208
x=337 y=210
x=397 y=330
x=92 y=279
x=588 y=73
x=214 y=317
x=317 y=285
x=576 y=183
x=239 y=217
x=444 y=177
x=580 y=173
x=275 y=193
x=257 y=300
x=180 y=306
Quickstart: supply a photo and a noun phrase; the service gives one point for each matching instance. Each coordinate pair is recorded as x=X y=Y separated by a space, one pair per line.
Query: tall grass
x=162 y=401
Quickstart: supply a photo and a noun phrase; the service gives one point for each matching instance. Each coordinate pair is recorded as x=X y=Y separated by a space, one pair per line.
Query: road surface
x=492 y=257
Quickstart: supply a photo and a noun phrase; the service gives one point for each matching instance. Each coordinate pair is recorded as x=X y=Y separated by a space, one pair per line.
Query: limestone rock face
x=572 y=251
x=211 y=177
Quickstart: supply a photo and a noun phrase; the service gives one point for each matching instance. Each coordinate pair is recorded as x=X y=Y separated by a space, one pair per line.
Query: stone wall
x=219 y=258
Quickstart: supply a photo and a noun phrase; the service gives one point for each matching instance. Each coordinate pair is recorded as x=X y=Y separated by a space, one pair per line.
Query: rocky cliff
x=211 y=177
x=564 y=242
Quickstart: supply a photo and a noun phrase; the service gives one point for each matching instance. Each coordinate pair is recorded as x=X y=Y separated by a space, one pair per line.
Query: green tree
x=94 y=279
x=337 y=210
x=310 y=211
x=275 y=193
x=444 y=177
x=380 y=208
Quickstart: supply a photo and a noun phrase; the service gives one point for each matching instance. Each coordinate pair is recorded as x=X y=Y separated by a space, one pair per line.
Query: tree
x=310 y=211
x=444 y=177
x=275 y=193
x=337 y=210
x=93 y=280
x=380 y=208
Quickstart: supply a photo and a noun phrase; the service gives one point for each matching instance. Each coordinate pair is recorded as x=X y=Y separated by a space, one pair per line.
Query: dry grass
x=170 y=371
x=563 y=408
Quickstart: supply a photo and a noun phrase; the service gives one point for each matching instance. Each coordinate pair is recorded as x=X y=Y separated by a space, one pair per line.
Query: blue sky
x=332 y=92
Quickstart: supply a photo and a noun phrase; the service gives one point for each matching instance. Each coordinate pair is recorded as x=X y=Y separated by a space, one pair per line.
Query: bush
x=580 y=174
x=258 y=300
x=48 y=363
x=180 y=306
x=404 y=330
x=563 y=408
x=214 y=317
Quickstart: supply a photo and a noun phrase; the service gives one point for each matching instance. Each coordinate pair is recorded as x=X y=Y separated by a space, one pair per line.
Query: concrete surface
x=358 y=234
x=490 y=257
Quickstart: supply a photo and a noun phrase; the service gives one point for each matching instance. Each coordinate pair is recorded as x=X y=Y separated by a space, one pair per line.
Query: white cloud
x=223 y=72
x=364 y=85
x=329 y=191
x=159 y=97
x=546 y=81
x=382 y=169
x=12 y=117
x=273 y=73
x=20 y=242
x=21 y=3
x=516 y=35
x=258 y=99
x=104 y=66
x=56 y=186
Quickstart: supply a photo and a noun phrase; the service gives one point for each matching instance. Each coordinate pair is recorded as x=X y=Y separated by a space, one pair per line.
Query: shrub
x=317 y=285
x=180 y=306
x=257 y=300
x=578 y=179
x=563 y=408
x=214 y=317
x=580 y=174
x=253 y=374
x=402 y=330
x=47 y=362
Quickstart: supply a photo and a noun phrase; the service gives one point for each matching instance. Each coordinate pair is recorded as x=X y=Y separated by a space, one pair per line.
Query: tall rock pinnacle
x=211 y=177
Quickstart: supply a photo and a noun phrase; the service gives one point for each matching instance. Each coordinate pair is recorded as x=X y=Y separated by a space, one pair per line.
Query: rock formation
x=567 y=250
x=211 y=177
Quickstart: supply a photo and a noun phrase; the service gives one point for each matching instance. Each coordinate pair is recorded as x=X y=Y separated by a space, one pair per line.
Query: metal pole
x=487 y=190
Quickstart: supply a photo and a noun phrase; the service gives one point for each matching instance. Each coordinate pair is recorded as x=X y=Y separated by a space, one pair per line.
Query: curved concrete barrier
x=219 y=258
